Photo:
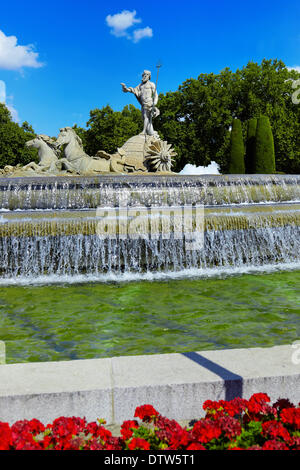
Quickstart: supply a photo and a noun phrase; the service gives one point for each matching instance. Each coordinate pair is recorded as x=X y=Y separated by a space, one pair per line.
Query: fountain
x=71 y=218
x=72 y=229
x=50 y=225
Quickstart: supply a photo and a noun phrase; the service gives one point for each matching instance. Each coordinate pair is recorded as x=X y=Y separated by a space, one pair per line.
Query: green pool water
x=93 y=320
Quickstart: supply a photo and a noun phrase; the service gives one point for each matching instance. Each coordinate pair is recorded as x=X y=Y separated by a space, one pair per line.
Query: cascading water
x=51 y=226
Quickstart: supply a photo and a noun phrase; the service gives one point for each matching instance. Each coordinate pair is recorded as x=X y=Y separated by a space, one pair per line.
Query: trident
x=158 y=66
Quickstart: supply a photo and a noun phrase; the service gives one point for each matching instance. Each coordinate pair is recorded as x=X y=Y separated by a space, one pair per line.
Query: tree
x=108 y=130
x=264 y=147
x=237 y=150
x=250 y=146
x=12 y=141
x=196 y=117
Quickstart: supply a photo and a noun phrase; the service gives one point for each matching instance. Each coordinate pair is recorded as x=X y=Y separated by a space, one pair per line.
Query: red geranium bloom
x=195 y=446
x=295 y=443
x=139 y=444
x=67 y=427
x=274 y=429
x=146 y=413
x=291 y=416
x=114 y=443
x=179 y=439
x=5 y=436
x=126 y=428
x=23 y=432
x=206 y=430
x=282 y=403
x=229 y=426
x=166 y=428
x=258 y=404
x=236 y=406
x=274 y=445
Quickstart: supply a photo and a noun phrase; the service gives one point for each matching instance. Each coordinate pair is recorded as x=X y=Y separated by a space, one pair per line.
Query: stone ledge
x=175 y=384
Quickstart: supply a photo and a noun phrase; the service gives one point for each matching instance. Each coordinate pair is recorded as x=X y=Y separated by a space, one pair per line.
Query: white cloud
x=14 y=57
x=10 y=107
x=296 y=67
x=121 y=22
x=139 y=34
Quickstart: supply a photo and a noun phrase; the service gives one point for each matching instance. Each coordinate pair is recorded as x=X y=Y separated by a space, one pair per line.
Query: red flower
x=67 y=427
x=179 y=439
x=216 y=409
x=114 y=443
x=257 y=406
x=295 y=443
x=274 y=445
x=166 y=428
x=126 y=428
x=146 y=413
x=282 y=403
x=195 y=446
x=230 y=426
x=236 y=406
x=291 y=416
x=139 y=444
x=5 y=436
x=257 y=403
x=206 y=430
x=96 y=445
x=274 y=430
x=103 y=433
x=23 y=433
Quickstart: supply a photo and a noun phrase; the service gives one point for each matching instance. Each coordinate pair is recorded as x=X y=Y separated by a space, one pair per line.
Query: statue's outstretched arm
x=126 y=89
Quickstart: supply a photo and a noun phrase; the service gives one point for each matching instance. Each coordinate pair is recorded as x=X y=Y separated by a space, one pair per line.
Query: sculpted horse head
x=72 y=142
x=47 y=148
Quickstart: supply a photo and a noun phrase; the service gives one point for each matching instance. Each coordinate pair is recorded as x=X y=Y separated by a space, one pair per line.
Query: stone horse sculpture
x=47 y=153
x=76 y=160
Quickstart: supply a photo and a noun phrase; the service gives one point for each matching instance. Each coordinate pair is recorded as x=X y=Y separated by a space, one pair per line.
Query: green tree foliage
x=197 y=116
x=237 y=150
x=250 y=146
x=108 y=130
x=12 y=140
x=264 y=147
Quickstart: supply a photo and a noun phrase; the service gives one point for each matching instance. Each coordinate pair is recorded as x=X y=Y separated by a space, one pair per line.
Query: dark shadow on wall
x=233 y=382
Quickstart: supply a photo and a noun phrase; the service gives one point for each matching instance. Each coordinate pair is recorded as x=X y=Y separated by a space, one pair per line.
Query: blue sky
x=61 y=59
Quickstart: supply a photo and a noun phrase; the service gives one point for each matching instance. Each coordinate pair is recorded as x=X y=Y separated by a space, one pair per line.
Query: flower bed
x=238 y=424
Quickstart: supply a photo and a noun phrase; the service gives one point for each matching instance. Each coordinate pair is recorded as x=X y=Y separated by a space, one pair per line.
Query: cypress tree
x=264 y=147
x=250 y=146
x=237 y=150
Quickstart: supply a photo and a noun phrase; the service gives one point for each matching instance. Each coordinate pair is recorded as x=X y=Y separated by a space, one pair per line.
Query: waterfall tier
x=92 y=192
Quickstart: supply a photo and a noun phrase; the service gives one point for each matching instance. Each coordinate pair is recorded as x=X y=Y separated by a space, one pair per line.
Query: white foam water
x=191 y=273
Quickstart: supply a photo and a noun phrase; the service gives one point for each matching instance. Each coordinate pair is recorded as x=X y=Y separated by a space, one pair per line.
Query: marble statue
x=147 y=96
x=76 y=160
x=47 y=153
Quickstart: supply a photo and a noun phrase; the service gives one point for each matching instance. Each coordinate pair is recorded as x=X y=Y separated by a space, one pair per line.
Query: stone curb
x=175 y=384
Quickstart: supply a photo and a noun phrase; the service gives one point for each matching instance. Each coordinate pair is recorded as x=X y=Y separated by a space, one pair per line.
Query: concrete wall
x=175 y=384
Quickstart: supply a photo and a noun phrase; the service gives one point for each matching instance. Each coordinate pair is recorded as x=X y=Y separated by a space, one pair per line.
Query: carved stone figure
x=47 y=152
x=147 y=96
x=75 y=157
x=77 y=160
x=144 y=152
